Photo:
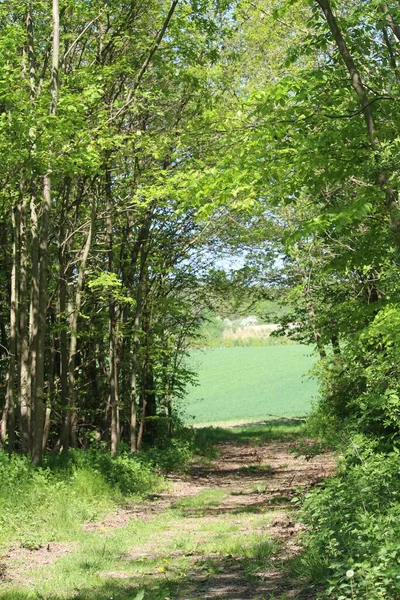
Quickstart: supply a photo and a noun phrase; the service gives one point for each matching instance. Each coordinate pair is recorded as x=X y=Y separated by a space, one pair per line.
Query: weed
x=280 y=499
x=258 y=488
x=310 y=566
x=259 y=553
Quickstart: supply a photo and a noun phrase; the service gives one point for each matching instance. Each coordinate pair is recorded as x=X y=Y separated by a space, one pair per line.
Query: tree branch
x=74 y=43
x=360 y=110
x=147 y=61
x=390 y=21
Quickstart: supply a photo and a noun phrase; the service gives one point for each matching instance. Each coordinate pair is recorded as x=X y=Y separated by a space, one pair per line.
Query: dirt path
x=257 y=481
x=222 y=531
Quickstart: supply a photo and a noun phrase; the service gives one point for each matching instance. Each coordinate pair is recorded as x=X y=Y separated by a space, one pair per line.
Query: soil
x=23 y=561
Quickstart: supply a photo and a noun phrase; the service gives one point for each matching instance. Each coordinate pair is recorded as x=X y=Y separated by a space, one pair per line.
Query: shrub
x=39 y=505
x=354 y=526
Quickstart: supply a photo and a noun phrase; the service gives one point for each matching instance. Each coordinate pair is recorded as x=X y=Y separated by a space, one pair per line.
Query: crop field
x=250 y=383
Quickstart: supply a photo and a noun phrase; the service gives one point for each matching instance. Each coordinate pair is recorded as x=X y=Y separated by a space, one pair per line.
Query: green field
x=250 y=383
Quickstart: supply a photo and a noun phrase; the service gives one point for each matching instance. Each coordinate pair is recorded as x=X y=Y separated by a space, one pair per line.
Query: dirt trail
x=244 y=495
x=255 y=480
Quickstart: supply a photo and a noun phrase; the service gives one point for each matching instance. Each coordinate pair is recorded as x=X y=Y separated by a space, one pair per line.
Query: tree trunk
x=37 y=443
x=354 y=73
x=135 y=353
x=390 y=21
x=317 y=335
x=335 y=345
x=148 y=391
x=4 y=425
x=51 y=387
x=142 y=423
x=8 y=427
x=392 y=54
x=24 y=367
x=112 y=324
x=46 y=427
x=43 y=275
x=33 y=317
x=367 y=109
x=62 y=303
x=169 y=413
x=114 y=384
x=68 y=435
x=133 y=414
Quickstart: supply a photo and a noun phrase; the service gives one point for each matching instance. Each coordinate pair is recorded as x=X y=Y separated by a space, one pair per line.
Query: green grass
x=288 y=429
x=48 y=504
x=152 y=555
x=249 y=384
x=197 y=505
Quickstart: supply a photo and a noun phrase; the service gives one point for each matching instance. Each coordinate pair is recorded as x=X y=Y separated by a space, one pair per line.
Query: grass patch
x=250 y=383
x=256 y=469
x=198 y=504
x=255 y=435
x=155 y=558
x=256 y=553
x=310 y=567
x=38 y=506
x=42 y=505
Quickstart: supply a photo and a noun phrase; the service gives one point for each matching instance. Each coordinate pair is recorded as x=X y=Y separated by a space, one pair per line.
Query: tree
x=99 y=113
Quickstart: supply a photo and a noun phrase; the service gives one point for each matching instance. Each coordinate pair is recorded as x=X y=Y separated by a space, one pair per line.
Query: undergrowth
x=48 y=503
x=352 y=546
x=39 y=505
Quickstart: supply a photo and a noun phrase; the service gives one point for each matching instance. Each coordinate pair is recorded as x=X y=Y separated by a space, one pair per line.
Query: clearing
x=224 y=530
x=246 y=383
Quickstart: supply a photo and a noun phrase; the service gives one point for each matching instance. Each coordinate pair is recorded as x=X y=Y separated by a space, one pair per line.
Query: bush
x=353 y=519
x=174 y=454
x=354 y=526
x=127 y=474
x=38 y=505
